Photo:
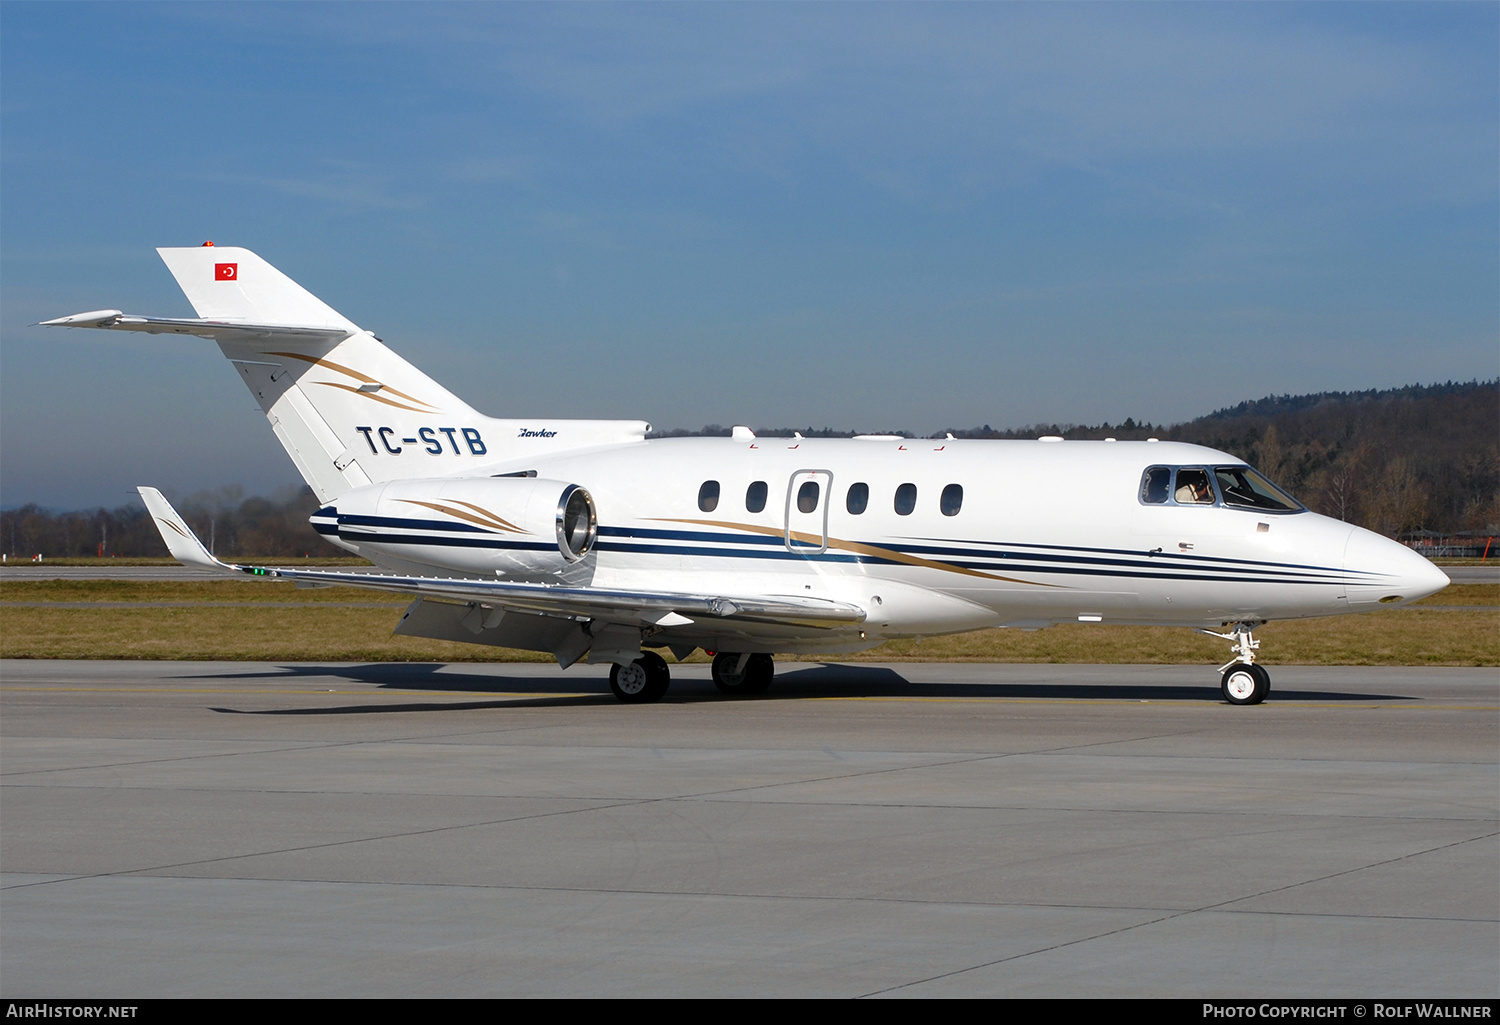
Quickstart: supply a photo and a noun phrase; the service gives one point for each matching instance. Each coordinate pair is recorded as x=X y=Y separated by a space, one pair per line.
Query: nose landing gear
x=1242 y=682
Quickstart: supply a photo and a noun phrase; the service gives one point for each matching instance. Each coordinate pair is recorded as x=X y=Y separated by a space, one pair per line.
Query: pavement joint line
x=755 y=896
x=330 y=843
x=501 y=821
x=731 y=895
x=1217 y=906
x=311 y=746
x=892 y=805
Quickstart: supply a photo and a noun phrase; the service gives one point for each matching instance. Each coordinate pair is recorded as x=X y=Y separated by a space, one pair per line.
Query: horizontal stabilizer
x=347 y=410
x=218 y=330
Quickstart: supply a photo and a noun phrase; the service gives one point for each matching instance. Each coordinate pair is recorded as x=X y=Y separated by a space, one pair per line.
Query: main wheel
x=1245 y=684
x=759 y=672
x=645 y=679
x=661 y=676
x=754 y=678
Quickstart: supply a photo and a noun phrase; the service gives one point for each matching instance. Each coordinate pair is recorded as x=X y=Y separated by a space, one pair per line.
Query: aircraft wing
x=637 y=607
x=217 y=329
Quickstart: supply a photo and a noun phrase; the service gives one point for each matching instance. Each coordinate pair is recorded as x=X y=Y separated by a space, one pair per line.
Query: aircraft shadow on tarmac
x=793 y=682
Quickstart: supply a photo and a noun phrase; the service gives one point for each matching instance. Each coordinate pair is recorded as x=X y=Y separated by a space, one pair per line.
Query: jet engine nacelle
x=517 y=526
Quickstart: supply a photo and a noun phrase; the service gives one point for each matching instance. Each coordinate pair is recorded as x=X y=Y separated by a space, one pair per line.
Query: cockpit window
x=1156 y=485
x=1237 y=487
x=1193 y=487
x=1244 y=488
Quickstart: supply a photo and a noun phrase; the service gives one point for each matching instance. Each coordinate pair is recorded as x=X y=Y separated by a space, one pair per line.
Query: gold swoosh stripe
x=485 y=512
x=371 y=395
x=354 y=374
x=175 y=527
x=814 y=540
x=490 y=520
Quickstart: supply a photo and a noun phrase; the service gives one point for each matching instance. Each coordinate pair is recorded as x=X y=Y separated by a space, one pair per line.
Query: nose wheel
x=1243 y=682
x=644 y=680
x=739 y=673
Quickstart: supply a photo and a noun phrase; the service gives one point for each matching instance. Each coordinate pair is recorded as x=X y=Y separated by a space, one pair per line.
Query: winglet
x=181 y=541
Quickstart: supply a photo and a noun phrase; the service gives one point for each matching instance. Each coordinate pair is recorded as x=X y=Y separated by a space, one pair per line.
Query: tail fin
x=236 y=285
x=335 y=401
x=348 y=410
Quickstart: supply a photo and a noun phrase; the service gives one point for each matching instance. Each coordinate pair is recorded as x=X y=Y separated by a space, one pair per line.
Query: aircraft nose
x=1379 y=571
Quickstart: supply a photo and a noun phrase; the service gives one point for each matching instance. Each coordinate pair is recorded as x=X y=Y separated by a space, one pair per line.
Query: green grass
x=229 y=589
x=1465 y=594
x=271 y=629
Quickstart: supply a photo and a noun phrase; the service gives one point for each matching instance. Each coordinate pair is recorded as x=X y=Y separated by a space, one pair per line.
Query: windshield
x=1243 y=487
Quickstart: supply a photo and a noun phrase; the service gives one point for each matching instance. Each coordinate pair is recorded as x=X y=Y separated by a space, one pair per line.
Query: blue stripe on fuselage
x=695 y=542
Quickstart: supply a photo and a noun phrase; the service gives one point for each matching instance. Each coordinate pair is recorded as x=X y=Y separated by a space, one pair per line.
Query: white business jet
x=583 y=539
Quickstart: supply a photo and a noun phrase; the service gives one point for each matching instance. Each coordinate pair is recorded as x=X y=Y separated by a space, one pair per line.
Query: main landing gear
x=644 y=680
x=647 y=678
x=1243 y=682
x=740 y=673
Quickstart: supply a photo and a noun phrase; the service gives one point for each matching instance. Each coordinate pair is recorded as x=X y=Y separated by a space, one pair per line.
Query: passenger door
x=806 y=520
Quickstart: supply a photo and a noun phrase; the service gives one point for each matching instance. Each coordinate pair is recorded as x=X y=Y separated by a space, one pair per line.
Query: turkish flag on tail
x=226 y=271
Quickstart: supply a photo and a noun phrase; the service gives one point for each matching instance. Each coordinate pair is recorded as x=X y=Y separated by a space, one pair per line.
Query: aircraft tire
x=661 y=676
x=644 y=680
x=759 y=672
x=753 y=679
x=1245 y=684
x=730 y=683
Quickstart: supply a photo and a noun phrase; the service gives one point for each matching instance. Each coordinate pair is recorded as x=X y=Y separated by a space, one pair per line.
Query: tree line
x=227 y=522
x=1400 y=461
x=1419 y=458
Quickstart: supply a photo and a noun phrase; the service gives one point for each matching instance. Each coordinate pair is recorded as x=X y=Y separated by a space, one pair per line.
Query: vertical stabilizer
x=347 y=409
x=327 y=397
x=234 y=284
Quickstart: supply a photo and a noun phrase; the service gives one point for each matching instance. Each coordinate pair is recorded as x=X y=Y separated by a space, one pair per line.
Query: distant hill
x=1422 y=457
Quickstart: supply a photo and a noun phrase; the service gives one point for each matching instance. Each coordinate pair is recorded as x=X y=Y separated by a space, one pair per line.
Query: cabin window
x=1243 y=488
x=807 y=497
x=906 y=499
x=952 y=499
x=858 y=499
x=708 y=496
x=1156 y=485
x=1193 y=487
x=755 y=496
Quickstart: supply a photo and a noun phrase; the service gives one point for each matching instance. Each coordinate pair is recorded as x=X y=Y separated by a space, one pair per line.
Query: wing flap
x=645 y=608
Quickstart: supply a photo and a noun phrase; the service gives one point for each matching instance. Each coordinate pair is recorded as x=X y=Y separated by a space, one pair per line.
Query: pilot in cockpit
x=1192 y=488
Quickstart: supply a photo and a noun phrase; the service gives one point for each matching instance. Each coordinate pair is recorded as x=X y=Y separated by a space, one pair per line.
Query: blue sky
x=861 y=216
